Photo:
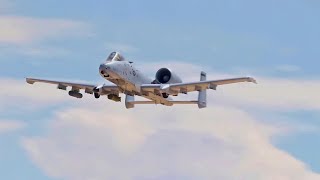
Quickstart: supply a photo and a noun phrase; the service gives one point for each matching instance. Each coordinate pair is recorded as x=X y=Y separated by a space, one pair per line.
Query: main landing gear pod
x=129 y=102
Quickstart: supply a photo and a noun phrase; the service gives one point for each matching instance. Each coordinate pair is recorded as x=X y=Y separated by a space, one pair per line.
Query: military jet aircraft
x=132 y=82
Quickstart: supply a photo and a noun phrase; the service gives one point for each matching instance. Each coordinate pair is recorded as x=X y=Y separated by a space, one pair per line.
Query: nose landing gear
x=96 y=95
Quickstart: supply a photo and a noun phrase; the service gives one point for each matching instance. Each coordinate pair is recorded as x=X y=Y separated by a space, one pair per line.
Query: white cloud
x=270 y=92
x=9 y=125
x=19 y=95
x=25 y=35
x=276 y=94
x=102 y=140
x=33 y=51
x=161 y=143
x=19 y=30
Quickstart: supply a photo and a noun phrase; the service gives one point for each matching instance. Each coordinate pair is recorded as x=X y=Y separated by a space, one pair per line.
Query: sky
x=263 y=131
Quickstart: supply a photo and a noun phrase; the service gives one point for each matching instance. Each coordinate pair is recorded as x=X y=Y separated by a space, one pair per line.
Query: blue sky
x=275 y=41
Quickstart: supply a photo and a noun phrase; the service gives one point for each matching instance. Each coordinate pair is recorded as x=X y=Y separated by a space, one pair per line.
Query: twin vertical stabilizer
x=202 y=97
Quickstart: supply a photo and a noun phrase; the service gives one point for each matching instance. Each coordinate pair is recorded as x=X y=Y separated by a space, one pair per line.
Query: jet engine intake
x=166 y=76
x=97 y=91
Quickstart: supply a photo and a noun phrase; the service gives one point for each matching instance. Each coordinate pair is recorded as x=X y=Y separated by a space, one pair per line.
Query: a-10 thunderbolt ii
x=132 y=82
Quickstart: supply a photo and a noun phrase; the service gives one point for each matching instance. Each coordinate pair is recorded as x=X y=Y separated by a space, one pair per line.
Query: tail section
x=202 y=97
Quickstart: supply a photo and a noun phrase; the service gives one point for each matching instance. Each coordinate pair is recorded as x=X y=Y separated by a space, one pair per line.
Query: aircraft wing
x=106 y=89
x=177 y=88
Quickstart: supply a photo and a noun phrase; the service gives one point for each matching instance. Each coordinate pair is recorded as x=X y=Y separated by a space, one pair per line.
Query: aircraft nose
x=104 y=68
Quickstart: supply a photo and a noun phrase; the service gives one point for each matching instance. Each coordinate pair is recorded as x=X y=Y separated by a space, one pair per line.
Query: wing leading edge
x=192 y=86
x=76 y=86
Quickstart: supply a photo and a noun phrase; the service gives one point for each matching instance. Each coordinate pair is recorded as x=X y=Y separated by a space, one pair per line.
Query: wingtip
x=253 y=80
x=29 y=81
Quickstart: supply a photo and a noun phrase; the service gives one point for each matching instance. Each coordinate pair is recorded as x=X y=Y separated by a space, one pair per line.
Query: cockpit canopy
x=115 y=56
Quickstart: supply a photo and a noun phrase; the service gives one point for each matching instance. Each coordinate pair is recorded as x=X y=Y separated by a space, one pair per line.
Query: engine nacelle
x=166 y=76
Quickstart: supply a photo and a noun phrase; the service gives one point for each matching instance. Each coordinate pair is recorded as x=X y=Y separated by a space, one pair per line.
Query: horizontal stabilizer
x=184 y=102
x=173 y=102
x=143 y=102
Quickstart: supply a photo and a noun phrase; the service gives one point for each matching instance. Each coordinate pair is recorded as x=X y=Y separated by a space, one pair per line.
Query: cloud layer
x=270 y=92
x=22 y=30
x=161 y=143
x=10 y=125
x=94 y=139
x=276 y=94
x=19 y=94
